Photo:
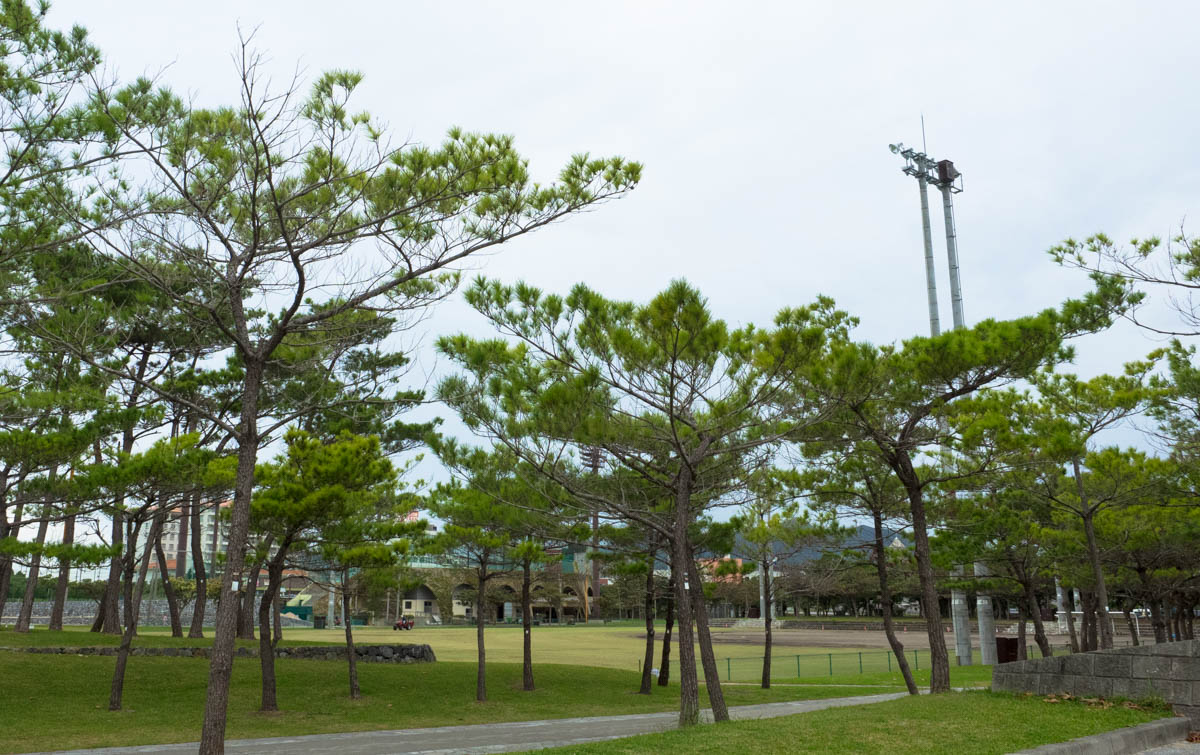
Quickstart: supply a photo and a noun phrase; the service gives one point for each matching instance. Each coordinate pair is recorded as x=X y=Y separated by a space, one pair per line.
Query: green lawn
x=608 y=646
x=597 y=646
x=964 y=723
x=60 y=702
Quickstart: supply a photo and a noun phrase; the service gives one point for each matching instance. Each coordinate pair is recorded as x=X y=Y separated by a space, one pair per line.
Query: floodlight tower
x=918 y=165
x=949 y=182
x=943 y=174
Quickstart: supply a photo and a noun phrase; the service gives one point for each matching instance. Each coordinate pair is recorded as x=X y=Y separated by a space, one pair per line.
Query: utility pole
x=943 y=175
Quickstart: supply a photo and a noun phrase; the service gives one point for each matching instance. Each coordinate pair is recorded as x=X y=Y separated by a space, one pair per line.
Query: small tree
x=854 y=481
x=313 y=485
x=362 y=527
x=772 y=529
x=476 y=535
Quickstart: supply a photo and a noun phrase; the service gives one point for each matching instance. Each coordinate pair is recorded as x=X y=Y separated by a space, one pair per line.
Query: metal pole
x=930 y=274
x=987 y=624
x=960 y=612
x=952 y=256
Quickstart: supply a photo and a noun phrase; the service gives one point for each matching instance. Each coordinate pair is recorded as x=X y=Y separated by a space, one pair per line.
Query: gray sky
x=763 y=128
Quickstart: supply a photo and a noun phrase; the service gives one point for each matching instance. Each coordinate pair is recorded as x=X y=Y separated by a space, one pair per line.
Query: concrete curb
x=1131 y=739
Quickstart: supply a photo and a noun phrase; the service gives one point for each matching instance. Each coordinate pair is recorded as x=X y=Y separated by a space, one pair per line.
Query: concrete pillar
x=1061 y=596
x=987 y=627
x=960 y=616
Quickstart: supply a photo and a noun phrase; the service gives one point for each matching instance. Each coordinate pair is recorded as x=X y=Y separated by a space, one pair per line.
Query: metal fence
x=817 y=666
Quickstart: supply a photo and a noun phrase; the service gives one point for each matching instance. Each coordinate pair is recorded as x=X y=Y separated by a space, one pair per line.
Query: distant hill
x=861 y=536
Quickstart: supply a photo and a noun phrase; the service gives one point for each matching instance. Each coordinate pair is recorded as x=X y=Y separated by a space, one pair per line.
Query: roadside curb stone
x=1131 y=739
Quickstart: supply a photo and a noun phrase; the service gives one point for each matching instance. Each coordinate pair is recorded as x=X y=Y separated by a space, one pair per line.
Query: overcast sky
x=763 y=128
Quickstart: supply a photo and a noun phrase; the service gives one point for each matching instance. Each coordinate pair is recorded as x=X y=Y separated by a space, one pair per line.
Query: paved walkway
x=1182 y=748
x=488 y=738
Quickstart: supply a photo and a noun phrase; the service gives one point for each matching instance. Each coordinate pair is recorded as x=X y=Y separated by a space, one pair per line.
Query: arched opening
x=421 y=603
x=508 y=606
x=463 y=601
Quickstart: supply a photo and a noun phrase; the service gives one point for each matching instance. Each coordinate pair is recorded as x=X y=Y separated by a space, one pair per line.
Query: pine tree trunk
x=1075 y=646
x=1089 y=621
x=648 y=605
x=480 y=650
x=939 y=660
x=168 y=590
x=1133 y=635
x=6 y=529
x=266 y=646
x=689 y=684
x=64 y=576
x=712 y=675
x=1157 y=621
x=134 y=597
x=885 y=597
x=664 y=665
x=129 y=572
x=766 y=669
x=112 y=590
x=26 y=614
x=351 y=653
x=1039 y=628
x=1093 y=548
x=101 y=610
x=1022 y=650
x=246 y=609
x=527 y=626
x=196 y=629
x=277 y=618
x=212 y=735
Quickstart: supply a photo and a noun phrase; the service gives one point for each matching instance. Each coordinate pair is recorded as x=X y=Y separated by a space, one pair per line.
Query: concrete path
x=488 y=738
x=1181 y=748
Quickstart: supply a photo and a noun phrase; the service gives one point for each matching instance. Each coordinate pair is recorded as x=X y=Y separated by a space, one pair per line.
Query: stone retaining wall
x=154 y=613
x=1170 y=671
x=366 y=653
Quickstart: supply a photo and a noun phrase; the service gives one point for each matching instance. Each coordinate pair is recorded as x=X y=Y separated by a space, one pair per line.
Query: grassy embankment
x=963 y=723
x=60 y=701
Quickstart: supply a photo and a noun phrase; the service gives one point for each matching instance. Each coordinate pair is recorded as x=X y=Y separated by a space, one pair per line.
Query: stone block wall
x=154 y=613
x=1170 y=671
x=365 y=653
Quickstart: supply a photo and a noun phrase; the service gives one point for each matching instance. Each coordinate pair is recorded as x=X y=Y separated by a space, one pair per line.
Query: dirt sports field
x=914 y=638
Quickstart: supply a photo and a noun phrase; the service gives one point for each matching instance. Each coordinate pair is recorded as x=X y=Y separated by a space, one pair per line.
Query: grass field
x=619 y=647
x=964 y=723
x=605 y=646
x=58 y=702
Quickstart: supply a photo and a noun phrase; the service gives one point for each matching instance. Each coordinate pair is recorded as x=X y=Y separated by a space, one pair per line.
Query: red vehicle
x=404 y=622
